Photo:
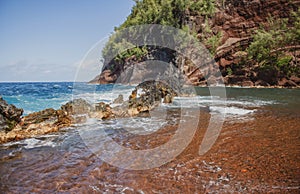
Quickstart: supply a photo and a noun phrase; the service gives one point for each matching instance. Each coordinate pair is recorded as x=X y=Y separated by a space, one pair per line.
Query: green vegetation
x=213 y=42
x=269 y=46
x=229 y=71
x=166 y=12
x=163 y=12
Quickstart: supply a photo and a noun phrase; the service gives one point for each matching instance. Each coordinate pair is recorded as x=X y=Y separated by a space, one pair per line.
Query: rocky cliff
x=232 y=26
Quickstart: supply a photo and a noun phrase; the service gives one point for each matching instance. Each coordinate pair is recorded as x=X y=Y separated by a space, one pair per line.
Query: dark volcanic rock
x=10 y=116
x=152 y=94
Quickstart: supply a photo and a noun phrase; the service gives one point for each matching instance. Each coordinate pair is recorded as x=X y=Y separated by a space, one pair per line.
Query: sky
x=45 y=40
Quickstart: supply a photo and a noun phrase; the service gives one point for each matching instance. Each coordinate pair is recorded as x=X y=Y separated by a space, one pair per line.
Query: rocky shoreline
x=144 y=98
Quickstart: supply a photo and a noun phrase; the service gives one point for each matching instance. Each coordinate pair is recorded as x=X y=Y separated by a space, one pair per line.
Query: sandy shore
x=260 y=155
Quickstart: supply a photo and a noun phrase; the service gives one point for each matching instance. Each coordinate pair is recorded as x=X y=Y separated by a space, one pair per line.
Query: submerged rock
x=10 y=115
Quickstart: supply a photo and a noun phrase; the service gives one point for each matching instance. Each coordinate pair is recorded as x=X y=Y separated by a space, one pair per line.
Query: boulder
x=168 y=99
x=295 y=79
x=151 y=95
x=287 y=83
x=63 y=120
x=77 y=106
x=261 y=83
x=10 y=115
x=119 y=99
x=121 y=111
x=102 y=111
x=247 y=83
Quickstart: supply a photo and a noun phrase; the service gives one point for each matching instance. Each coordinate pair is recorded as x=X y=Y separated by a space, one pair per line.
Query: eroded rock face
x=236 y=21
x=10 y=115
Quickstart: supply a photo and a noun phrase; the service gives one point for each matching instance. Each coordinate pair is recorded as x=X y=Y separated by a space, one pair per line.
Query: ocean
x=37 y=96
x=66 y=161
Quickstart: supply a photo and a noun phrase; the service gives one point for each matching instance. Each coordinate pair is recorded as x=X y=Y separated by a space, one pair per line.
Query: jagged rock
x=47 y=121
x=76 y=111
x=63 y=120
x=38 y=123
x=152 y=93
x=121 y=111
x=168 y=99
x=38 y=117
x=295 y=79
x=287 y=83
x=48 y=117
x=77 y=106
x=102 y=111
x=247 y=84
x=261 y=83
x=10 y=116
x=119 y=99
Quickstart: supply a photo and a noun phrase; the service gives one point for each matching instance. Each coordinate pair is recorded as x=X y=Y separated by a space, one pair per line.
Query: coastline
x=238 y=86
x=257 y=155
x=61 y=119
x=205 y=86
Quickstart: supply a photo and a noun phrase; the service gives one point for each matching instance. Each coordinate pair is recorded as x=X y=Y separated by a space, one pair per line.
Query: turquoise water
x=37 y=96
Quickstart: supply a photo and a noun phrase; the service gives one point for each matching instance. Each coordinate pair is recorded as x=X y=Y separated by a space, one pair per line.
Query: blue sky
x=44 y=40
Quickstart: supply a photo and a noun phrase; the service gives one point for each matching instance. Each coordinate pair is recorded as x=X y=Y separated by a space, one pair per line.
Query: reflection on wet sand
x=258 y=155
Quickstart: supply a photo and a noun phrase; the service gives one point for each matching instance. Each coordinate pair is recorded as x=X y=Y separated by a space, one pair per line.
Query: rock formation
x=10 y=116
x=77 y=111
x=42 y=122
x=235 y=21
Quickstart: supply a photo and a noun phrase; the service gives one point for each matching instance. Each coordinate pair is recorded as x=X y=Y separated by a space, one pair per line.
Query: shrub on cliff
x=166 y=12
x=271 y=45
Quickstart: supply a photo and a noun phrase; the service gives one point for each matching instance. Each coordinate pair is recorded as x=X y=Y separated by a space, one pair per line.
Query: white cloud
x=24 y=70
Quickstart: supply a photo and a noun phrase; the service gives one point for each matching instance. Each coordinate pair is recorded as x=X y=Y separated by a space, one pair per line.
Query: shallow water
x=260 y=134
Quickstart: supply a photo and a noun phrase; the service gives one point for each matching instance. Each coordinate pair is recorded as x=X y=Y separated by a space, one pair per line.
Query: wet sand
x=261 y=155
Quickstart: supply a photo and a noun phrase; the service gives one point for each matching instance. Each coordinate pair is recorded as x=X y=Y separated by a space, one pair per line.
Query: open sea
x=58 y=162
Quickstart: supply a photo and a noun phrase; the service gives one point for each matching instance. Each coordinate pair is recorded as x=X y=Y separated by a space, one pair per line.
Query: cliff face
x=236 y=22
